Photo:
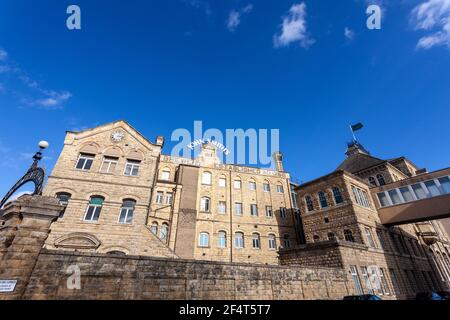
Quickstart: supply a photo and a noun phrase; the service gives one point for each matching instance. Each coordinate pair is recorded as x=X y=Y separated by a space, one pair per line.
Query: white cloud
x=3 y=55
x=234 y=18
x=432 y=16
x=294 y=28
x=349 y=34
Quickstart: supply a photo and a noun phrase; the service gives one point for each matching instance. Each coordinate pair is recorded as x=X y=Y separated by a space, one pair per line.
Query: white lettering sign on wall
x=7 y=285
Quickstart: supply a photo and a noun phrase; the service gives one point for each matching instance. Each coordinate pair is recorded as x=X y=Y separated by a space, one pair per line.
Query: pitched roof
x=358 y=162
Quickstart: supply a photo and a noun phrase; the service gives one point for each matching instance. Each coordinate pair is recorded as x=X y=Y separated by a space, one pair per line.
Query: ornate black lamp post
x=35 y=174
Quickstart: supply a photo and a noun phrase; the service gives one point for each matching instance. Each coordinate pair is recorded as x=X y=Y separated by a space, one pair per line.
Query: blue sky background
x=163 y=64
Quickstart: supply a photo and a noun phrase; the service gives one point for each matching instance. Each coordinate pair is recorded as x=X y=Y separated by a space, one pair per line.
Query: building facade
x=342 y=228
x=124 y=196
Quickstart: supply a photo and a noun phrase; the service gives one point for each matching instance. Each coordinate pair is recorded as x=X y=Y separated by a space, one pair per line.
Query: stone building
x=124 y=196
x=342 y=229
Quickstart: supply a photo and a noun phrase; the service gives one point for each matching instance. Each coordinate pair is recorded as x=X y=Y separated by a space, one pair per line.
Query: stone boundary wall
x=140 y=278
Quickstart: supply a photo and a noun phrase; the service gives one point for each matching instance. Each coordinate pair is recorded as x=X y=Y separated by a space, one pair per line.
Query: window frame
x=88 y=158
x=134 y=165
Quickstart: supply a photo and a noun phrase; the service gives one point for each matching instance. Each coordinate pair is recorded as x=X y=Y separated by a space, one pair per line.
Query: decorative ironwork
x=35 y=174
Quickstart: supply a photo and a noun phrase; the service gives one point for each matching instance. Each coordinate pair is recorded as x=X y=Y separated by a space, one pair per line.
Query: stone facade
x=170 y=218
x=43 y=274
x=342 y=229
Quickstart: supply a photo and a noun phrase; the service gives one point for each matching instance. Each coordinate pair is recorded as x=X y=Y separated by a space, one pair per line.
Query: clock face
x=117 y=136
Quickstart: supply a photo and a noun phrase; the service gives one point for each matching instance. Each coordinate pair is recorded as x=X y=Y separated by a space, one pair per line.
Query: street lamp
x=34 y=174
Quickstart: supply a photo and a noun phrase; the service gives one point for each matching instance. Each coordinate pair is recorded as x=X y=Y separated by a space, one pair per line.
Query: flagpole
x=353 y=133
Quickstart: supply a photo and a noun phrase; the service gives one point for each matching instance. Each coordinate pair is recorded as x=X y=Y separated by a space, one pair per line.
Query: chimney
x=278 y=157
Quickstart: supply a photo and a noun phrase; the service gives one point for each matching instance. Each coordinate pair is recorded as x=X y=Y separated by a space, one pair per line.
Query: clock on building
x=117 y=136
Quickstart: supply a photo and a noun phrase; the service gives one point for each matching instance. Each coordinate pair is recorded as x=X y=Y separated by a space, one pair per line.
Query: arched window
x=203 y=240
x=127 y=211
x=154 y=228
x=348 y=235
x=237 y=184
x=286 y=241
x=256 y=241
x=372 y=181
x=239 y=240
x=94 y=208
x=272 y=242
x=316 y=238
x=164 y=232
x=205 y=204
x=381 y=180
x=207 y=178
x=116 y=253
x=309 y=203
x=337 y=195
x=222 y=182
x=64 y=199
x=331 y=236
x=165 y=174
x=322 y=199
x=222 y=239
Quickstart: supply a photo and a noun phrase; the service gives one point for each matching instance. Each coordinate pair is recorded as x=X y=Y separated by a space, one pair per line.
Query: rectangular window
x=266 y=187
x=207 y=178
x=361 y=197
x=381 y=239
x=419 y=192
x=222 y=207
x=384 y=201
x=85 y=162
x=252 y=185
x=109 y=165
x=238 y=208
x=407 y=195
x=356 y=280
x=367 y=280
x=237 y=184
x=165 y=175
x=394 y=196
x=445 y=184
x=283 y=213
x=159 y=197
x=254 y=210
x=94 y=209
x=132 y=168
x=269 y=212
x=384 y=282
x=280 y=189
x=432 y=188
x=169 y=198
x=370 y=241
x=222 y=182
x=394 y=280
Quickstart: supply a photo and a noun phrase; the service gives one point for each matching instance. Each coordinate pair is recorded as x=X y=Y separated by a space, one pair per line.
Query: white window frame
x=222 y=204
x=237 y=184
x=110 y=160
x=240 y=211
x=159 y=197
x=222 y=182
x=202 y=236
x=133 y=166
x=85 y=157
x=269 y=212
x=207 y=178
x=165 y=175
x=272 y=239
x=128 y=211
x=205 y=205
x=241 y=243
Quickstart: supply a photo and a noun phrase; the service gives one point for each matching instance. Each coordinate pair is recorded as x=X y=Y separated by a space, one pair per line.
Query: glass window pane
x=406 y=194
x=432 y=188
x=420 y=193
x=384 y=202
x=394 y=197
x=445 y=184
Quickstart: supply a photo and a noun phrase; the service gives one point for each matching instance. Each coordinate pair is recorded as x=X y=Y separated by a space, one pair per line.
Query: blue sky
x=163 y=64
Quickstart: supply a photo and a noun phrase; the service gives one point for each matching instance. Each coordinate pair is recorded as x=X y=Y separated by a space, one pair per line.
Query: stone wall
x=47 y=274
x=133 y=277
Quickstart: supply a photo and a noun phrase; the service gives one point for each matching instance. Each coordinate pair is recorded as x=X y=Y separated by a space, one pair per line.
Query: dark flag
x=357 y=126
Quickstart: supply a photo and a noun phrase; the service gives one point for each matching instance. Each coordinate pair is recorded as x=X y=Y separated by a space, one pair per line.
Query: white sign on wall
x=7 y=285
